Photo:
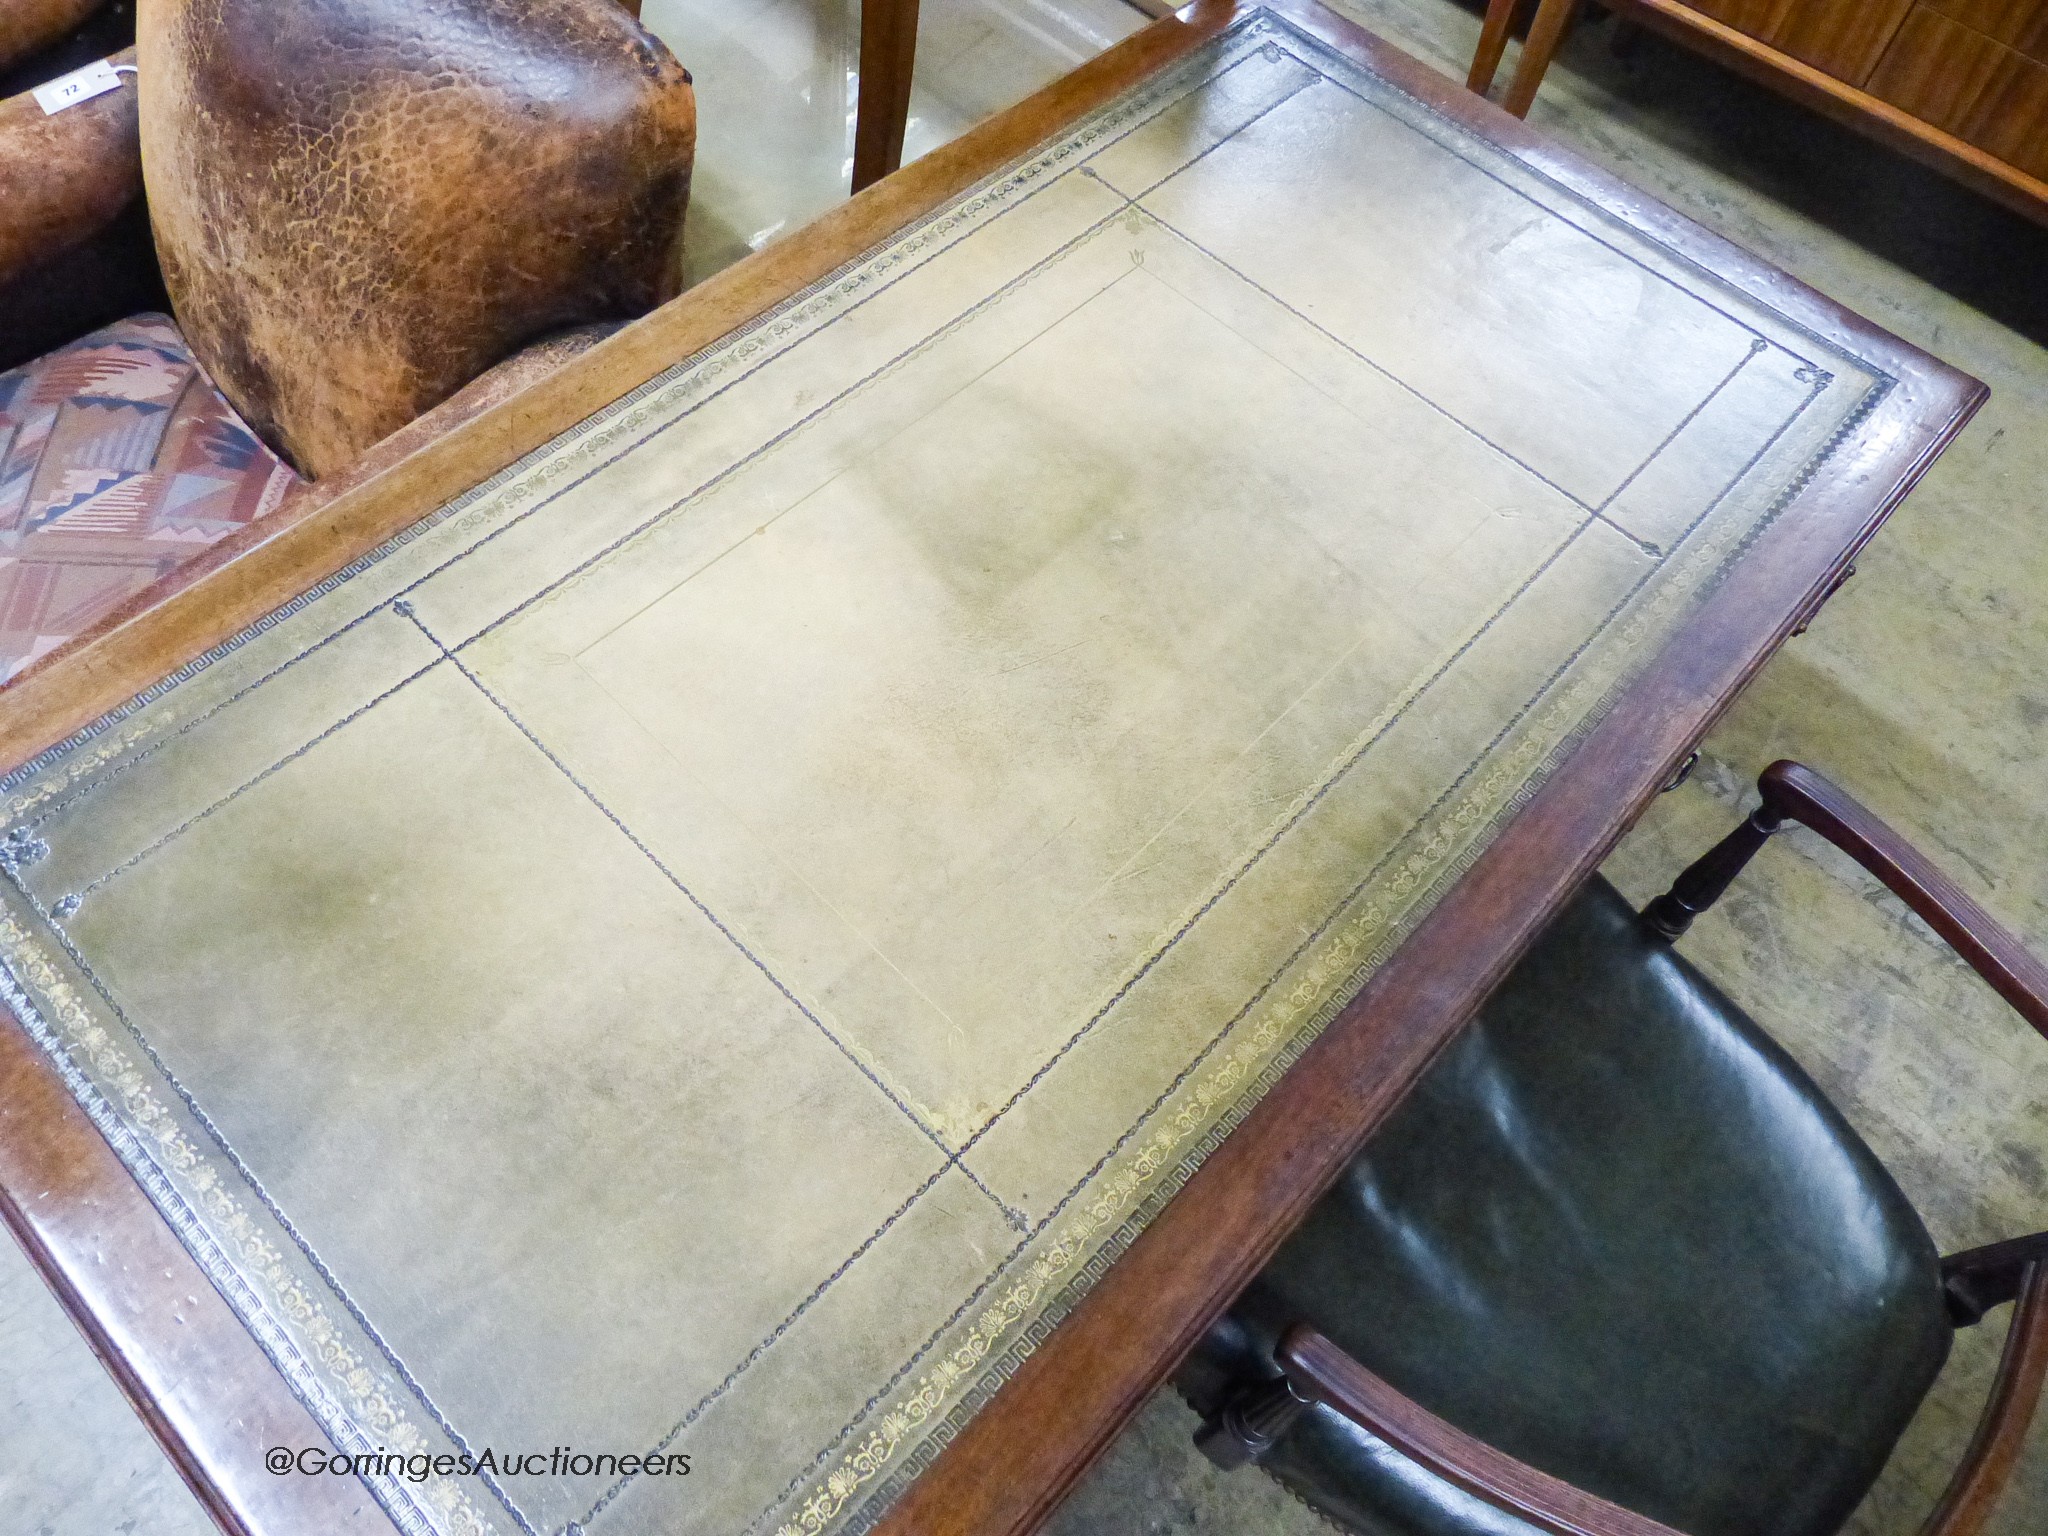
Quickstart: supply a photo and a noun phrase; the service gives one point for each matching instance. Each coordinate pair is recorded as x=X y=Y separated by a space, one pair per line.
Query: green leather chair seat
x=1619 y=1234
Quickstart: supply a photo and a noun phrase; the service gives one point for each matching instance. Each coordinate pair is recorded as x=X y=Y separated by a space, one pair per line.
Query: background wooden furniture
x=888 y=58
x=1959 y=84
x=1601 y=977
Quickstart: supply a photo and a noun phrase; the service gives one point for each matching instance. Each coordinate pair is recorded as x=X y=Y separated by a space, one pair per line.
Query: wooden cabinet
x=1843 y=37
x=1968 y=83
x=2021 y=25
x=1961 y=84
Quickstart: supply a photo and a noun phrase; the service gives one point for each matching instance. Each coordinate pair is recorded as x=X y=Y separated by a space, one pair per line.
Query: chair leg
x=1493 y=42
x=1706 y=880
x=1545 y=33
x=1249 y=1422
x=888 y=54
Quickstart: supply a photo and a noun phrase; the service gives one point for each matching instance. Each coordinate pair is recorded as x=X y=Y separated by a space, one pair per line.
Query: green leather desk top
x=711 y=941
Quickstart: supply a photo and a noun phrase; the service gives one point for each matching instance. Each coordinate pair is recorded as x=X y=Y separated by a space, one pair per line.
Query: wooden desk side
x=179 y=1354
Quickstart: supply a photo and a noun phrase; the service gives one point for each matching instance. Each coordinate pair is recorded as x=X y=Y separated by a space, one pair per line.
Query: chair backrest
x=361 y=205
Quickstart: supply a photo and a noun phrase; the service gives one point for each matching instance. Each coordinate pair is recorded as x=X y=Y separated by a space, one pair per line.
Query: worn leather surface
x=29 y=26
x=64 y=178
x=978 y=749
x=107 y=30
x=75 y=249
x=362 y=204
x=1618 y=1233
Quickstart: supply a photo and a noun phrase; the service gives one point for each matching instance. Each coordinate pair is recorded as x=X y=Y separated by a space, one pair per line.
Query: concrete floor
x=1923 y=689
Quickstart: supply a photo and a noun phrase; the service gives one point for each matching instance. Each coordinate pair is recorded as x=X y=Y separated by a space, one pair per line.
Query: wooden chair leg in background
x=1493 y=42
x=888 y=54
x=1545 y=33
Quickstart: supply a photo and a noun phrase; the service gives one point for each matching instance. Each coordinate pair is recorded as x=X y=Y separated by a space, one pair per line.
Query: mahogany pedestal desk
x=809 y=895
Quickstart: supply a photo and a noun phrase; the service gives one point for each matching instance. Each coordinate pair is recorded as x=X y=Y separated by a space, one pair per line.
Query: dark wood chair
x=1618 y=1268
x=888 y=59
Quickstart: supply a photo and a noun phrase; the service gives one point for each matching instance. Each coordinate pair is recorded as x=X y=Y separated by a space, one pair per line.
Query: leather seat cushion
x=119 y=462
x=1618 y=1233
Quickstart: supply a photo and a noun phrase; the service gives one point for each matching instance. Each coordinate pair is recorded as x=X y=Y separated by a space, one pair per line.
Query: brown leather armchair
x=354 y=209
x=74 y=239
x=362 y=204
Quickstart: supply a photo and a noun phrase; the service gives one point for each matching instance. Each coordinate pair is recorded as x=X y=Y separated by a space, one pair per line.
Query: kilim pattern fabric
x=119 y=462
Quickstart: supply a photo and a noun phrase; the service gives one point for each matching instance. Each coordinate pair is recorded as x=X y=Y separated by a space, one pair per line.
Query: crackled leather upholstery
x=75 y=251
x=363 y=204
x=1617 y=1233
x=65 y=178
x=118 y=464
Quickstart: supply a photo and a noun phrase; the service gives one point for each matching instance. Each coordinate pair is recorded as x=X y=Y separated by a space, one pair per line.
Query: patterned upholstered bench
x=119 y=462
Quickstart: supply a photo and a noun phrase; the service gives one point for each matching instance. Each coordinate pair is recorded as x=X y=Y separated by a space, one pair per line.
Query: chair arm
x=1319 y=1371
x=65 y=178
x=1978 y=1279
x=2015 y=1394
x=1792 y=792
x=1799 y=794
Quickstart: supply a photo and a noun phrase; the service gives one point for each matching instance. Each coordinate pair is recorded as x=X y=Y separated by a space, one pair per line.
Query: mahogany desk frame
x=197 y=1377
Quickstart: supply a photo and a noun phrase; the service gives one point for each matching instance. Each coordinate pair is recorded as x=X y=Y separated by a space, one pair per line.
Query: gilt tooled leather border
x=1107 y=1208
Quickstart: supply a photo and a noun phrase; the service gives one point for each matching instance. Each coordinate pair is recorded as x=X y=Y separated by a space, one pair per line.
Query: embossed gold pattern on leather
x=711 y=942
